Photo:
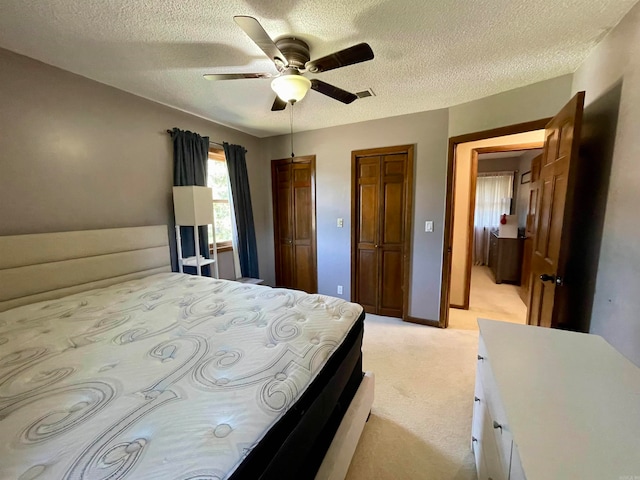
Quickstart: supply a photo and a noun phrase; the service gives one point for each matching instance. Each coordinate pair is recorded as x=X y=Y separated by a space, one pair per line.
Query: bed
x=113 y=367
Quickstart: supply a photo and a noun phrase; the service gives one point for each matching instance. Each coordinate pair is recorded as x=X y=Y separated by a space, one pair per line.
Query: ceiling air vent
x=365 y=93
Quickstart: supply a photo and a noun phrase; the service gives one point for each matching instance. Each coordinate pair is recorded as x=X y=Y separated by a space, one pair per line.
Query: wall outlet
x=340 y=223
x=339 y=289
x=428 y=226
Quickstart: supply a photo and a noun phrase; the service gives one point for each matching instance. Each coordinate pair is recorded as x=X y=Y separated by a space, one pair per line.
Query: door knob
x=557 y=279
x=547 y=278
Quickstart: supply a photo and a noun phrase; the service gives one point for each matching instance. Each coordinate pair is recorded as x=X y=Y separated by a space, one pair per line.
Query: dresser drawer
x=500 y=429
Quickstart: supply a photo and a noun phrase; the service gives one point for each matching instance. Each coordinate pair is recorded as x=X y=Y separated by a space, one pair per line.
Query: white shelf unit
x=193 y=207
x=198 y=260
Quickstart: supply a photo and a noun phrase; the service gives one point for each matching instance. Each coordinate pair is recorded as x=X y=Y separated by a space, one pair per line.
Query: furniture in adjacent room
x=553 y=404
x=139 y=355
x=193 y=207
x=294 y=220
x=505 y=258
x=381 y=213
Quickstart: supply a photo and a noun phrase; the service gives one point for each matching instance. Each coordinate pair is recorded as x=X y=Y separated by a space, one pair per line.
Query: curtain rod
x=501 y=172
x=210 y=142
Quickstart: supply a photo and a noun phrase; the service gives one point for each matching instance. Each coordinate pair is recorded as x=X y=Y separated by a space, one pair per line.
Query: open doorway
x=498 y=266
x=464 y=154
x=554 y=278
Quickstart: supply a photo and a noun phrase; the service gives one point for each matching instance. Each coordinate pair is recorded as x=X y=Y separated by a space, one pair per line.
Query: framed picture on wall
x=525 y=178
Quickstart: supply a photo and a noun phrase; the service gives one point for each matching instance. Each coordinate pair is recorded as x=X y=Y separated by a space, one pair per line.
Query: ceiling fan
x=291 y=58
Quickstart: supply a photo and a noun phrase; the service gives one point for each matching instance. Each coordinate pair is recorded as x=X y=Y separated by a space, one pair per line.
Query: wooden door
x=551 y=242
x=381 y=229
x=294 y=220
x=529 y=231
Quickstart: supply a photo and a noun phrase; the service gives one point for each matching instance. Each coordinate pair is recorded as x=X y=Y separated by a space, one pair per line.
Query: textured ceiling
x=429 y=54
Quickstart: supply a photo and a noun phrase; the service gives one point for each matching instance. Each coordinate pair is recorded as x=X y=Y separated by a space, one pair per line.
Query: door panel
x=303 y=268
x=293 y=183
x=544 y=220
x=367 y=284
x=552 y=244
x=368 y=213
x=391 y=283
x=284 y=264
x=392 y=213
x=302 y=204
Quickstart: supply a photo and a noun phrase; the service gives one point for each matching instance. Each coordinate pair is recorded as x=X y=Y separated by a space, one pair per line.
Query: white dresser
x=554 y=405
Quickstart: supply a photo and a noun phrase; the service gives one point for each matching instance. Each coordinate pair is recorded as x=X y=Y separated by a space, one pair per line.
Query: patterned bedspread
x=172 y=376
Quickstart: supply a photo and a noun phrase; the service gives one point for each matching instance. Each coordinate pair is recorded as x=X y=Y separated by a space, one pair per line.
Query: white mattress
x=172 y=376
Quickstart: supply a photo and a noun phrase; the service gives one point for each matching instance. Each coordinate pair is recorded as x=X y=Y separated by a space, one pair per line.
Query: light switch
x=428 y=226
x=340 y=223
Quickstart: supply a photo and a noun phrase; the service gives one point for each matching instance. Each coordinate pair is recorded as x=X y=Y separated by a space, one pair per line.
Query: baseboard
x=338 y=457
x=459 y=307
x=423 y=321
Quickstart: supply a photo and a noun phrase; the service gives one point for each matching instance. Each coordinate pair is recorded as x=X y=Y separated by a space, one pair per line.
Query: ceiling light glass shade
x=291 y=87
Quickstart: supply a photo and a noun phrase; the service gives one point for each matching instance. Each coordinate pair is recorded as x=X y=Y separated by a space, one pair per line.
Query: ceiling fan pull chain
x=291 y=125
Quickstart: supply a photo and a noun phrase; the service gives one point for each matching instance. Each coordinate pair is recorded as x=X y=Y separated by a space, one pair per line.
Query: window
x=218 y=181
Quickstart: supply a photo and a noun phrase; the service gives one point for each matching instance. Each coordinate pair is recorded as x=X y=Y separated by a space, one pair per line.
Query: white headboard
x=46 y=266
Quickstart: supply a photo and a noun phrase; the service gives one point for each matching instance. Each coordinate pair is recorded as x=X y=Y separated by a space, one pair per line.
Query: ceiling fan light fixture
x=291 y=86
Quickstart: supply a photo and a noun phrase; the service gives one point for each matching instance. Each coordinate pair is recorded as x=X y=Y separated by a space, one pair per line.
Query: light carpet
x=420 y=424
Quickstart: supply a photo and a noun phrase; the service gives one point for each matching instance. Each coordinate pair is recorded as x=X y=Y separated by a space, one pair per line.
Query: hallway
x=489 y=300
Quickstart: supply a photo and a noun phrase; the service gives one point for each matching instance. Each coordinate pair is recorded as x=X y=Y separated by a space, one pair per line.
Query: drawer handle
x=496 y=425
x=480 y=357
x=474 y=439
x=476 y=399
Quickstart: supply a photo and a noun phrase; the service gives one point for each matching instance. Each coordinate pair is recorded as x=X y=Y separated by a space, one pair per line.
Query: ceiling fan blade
x=332 y=91
x=349 y=56
x=235 y=76
x=254 y=30
x=278 y=104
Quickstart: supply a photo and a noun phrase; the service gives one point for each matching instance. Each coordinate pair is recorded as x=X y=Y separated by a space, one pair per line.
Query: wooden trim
x=217 y=154
x=502 y=131
x=354 y=246
x=408 y=232
x=221 y=247
x=408 y=220
x=423 y=321
x=511 y=148
x=449 y=201
x=374 y=152
x=470 y=227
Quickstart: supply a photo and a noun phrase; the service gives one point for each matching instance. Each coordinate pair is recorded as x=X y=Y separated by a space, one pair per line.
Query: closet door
x=392 y=234
x=381 y=228
x=294 y=219
x=367 y=218
x=282 y=222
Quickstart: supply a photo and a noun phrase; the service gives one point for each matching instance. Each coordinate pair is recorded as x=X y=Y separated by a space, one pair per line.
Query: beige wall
x=615 y=61
x=461 y=212
x=333 y=147
x=76 y=154
x=533 y=102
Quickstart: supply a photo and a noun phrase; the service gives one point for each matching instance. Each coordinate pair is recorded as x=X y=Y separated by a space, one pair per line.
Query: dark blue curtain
x=247 y=248
x=190 y=154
